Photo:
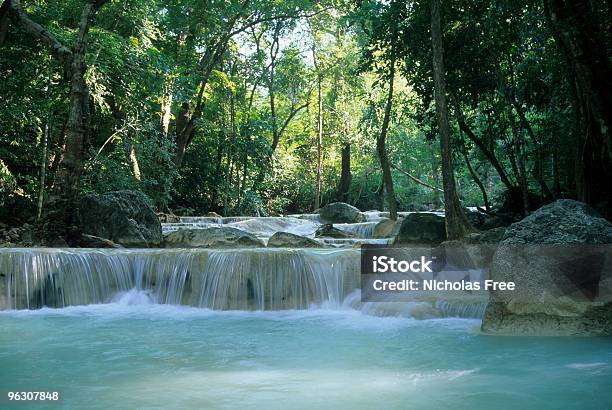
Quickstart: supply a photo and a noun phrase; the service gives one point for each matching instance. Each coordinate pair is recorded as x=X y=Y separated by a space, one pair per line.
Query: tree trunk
x=457 y=224
x=539 y=157
x=61 y=219
x=213 y=200
x=583 y=39
x=274 y=49
x=43 y=167
x=381 y=140
x=214 y=54
x=345 y=174
x=476 y=179
x=435 y=174
x=485 y=150
x=4 y=20
x=133 y=160
x=166 y=107
x=317 y=200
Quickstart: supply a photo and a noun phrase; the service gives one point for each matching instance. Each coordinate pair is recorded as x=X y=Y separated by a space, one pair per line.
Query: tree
x=61 y=214
x=457 y=224
x=579 y=29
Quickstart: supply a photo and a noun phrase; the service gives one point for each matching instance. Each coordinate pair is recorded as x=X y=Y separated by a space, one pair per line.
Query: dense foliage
x=230 y=106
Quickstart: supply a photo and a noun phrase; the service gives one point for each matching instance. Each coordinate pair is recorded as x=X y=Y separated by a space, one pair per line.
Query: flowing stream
x=265 y=328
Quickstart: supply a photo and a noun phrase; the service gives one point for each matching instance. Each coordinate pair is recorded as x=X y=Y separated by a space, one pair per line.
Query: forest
x=273 y=107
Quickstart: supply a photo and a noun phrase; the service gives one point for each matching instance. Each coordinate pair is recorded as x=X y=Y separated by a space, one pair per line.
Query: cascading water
x=50 y=277
x=237 y=279
x=360 y=230
x=245 y=279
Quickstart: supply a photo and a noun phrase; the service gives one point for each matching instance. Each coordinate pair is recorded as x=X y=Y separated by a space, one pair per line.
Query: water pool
x=162 y=356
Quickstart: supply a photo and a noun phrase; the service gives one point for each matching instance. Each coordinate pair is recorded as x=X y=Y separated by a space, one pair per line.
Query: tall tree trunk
x=219 y=161
x=134 y=165
x=457 y=224
x=518 y=161
x=579 y=29
x=5 y=8
x=435 y=174
x=43 y=167
x=274 y=49
x=317 y=199
x=382 y=137
x=345 y=174
x=166 y=107
x=60 y=222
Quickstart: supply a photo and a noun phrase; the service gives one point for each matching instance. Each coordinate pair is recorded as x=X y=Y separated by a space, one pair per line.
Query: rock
x=91 y=241
x=290 y=240
x=213 y=237
x=497 y=221
x=490 y=236
x=340 y=212
x=563 y=274
x=212 y=215
x=328 y=231
x=483 y=221
x=562 y=222
x=123 y=217
x=387 y=228
x=422 y=228
x=168 y=218
x=476 y=218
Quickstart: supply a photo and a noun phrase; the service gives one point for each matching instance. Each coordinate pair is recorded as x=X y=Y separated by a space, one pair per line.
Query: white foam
x=586 y=366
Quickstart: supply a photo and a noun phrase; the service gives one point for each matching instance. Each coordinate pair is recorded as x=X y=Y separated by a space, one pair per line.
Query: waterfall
x=360 y=230
x=220 y=279
x=261 y=279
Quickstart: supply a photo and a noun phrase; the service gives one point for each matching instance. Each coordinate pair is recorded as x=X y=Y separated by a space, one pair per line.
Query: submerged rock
x=560 y=259
x=290 y=240
x=328 y=231
x=340 y=212
x=213 y=237
x=422 y=228
x=387 y=228
x=123 y=217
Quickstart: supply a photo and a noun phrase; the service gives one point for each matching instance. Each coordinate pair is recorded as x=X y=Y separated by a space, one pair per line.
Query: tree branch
x=415 y=179
x=290 y=117
x=58 y=50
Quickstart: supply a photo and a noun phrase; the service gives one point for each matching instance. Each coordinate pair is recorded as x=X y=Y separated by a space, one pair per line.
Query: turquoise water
x=160 y=356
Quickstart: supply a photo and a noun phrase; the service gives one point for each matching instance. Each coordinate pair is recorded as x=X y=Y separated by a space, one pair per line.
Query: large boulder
x=123 y=217
x=422 y=228
x=213 y=237
x=560 y=259
x=340 y=212
x=290 y=240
